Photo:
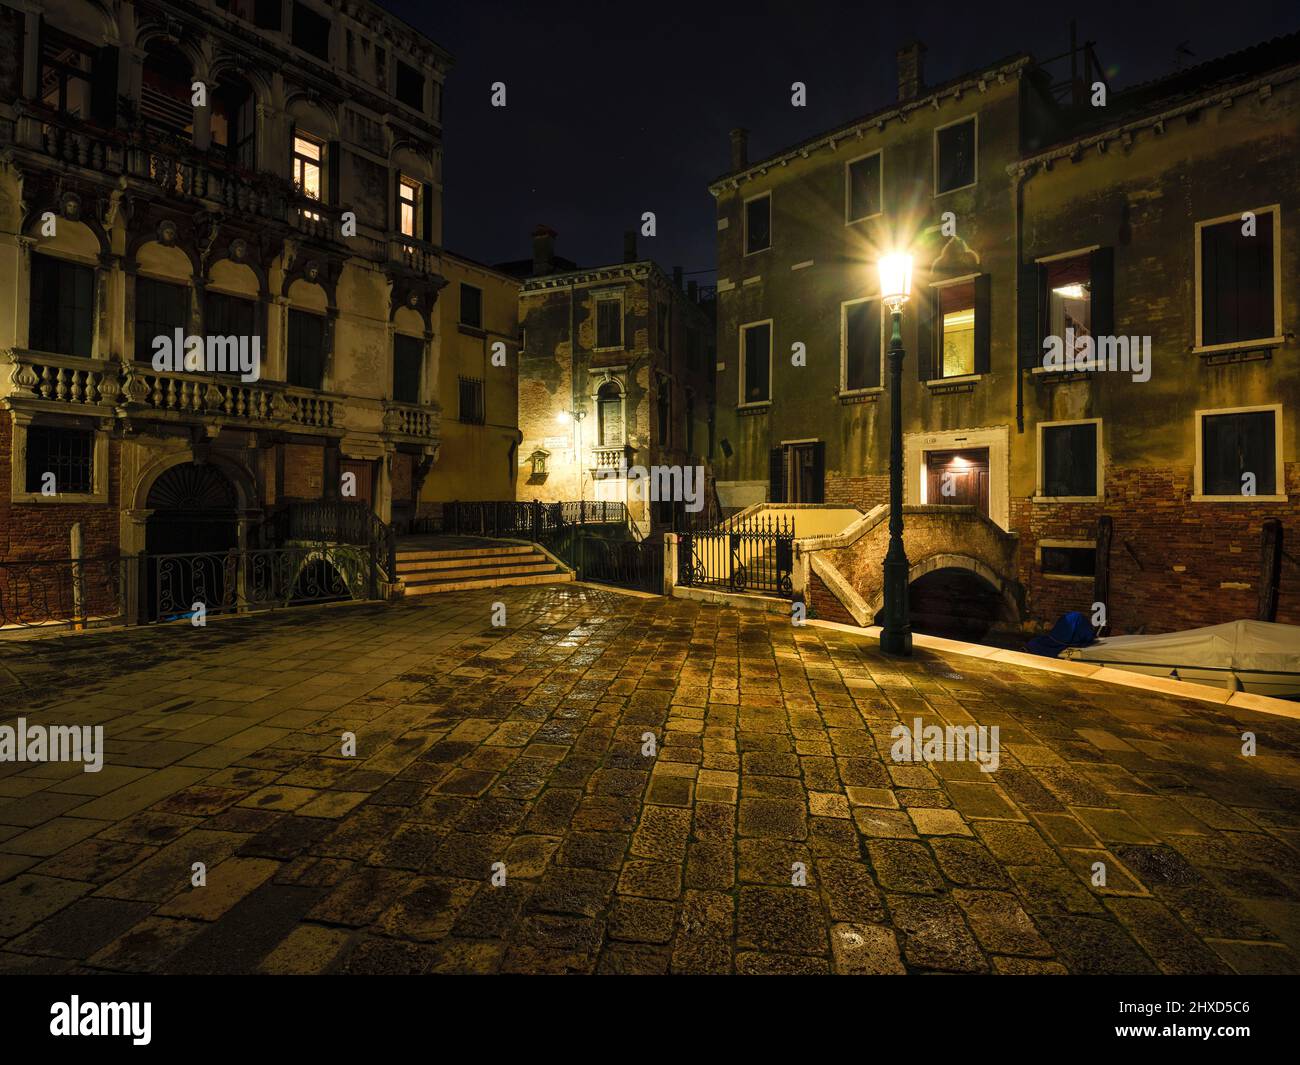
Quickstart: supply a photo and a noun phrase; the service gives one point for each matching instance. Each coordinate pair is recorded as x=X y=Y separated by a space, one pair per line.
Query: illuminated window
x=408 y=198
x=308 y=159
x=1069 y=297
x=957 y=322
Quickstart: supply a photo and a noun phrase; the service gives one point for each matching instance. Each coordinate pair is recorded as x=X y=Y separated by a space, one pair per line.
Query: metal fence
x=756 y=556
x=626 y=563
x=530 y=520
x=146 y=588
x=341 y=522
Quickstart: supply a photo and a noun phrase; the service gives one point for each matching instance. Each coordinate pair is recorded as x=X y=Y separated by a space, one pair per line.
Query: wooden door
x=958 y=478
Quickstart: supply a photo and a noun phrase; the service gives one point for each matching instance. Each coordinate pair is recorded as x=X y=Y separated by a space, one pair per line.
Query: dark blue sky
x=618 y=109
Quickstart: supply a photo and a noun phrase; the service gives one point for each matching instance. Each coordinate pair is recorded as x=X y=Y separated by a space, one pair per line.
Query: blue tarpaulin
x=1073 y=630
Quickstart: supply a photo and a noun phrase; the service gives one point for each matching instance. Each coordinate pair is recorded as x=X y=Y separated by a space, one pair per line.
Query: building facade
x=262 y=176
x=1156 y=220
x=616 y=372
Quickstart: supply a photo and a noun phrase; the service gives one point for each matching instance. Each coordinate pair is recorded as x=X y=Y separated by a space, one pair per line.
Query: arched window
x=166 y=93
x=609 y=408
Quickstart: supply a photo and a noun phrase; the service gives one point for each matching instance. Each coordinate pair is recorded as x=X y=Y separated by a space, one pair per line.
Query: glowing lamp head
x=563 y=417
x=895 y=280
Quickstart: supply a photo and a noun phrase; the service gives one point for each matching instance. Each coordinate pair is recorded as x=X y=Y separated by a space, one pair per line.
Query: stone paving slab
x=664 y=785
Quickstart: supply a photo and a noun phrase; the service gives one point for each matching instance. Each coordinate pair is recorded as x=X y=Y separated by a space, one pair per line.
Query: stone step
x=407 y=565
x=488 y=582
x=411 y=577
x=452 y=554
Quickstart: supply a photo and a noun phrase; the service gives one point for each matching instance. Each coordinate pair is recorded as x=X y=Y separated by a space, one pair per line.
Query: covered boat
x=1261 y=657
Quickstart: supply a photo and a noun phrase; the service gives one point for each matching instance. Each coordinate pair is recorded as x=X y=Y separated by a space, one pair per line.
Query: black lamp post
x=896 y=633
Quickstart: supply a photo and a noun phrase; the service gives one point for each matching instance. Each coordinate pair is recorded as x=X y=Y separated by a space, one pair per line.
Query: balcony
x=418 y=256
x=606 y=460
x=72 y=385
x=412 y=422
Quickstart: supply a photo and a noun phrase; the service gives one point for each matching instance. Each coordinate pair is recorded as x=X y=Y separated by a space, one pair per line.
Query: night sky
x=617 y=109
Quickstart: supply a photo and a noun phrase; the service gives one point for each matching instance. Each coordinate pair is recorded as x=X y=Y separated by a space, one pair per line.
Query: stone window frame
x=937 y=329
x=1100 y=496
x=1078 y=577
x=934 y=141
x=1279 y=464
x=741 y=403
x=97 y=303
x=1277 y=339
x=844 y=390
x=849 y=220
x=18 y=492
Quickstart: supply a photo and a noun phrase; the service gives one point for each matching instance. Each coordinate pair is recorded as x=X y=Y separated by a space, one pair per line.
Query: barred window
x=471 y=401
x=69 y=454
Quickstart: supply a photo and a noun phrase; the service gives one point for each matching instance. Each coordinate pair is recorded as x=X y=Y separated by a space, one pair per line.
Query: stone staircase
x=428 y=570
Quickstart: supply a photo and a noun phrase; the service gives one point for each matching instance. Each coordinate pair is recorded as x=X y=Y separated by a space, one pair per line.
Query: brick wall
x=861 y=492
x=1169 y=557
x=304 y=471
x=823 y=605
x=43 y=530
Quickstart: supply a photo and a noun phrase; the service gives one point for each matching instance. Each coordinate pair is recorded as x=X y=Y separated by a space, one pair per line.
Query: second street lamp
x=896 y=633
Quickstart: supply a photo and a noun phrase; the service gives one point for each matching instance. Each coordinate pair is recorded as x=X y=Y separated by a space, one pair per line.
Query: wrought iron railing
x=628 y=563
x=341 y=522
x=530 y=520
x=755 y=556
x=64 y=591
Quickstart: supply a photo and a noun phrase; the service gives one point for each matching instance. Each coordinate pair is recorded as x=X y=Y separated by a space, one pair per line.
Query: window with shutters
x=471 y=306
x=956 y=320
x=160 y=309
x=609 y=322
x=306 y=350
x=609 y=415
x=860 y=350
x=408 y=204
x=1239 y=454
x=67 y=73
x=62 y=306
x=1069 y=297
x=311 y=31
x=758 y=223
x=863 y=188
x=1238 y=268
x=410 y=86
x=408 y=360
x=1069 y=460
x=954 y=156
x=756 y=363
x=308 y=165
x=68 y=454
x=471 y=400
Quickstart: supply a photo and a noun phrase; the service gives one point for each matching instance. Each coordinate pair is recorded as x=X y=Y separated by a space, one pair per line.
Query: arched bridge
x=938 y=539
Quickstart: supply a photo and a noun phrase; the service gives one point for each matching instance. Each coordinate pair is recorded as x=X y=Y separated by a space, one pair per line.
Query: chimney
x=629 y=246
x=543 y=250
x=911 y=70
x=693 y=290
x=739 y=149
x=677 y=278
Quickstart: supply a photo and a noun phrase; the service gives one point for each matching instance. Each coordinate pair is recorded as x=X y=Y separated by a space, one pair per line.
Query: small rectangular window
x=306 y=350
x=955 y=157
x=69 y=454
x=758 y=224
x=408 y=200
x=311 y=31
x=410 y=86
x=1237 y=281
x=864 y=188
x=757 y=347
x=957 y=329
x=609 y=323
x=62 y=306
x=1070 y=460
x=160 y=309
x=408 y=359
x=471 y=401
x=1068 y=561
x=471 y=306
x=1239 y=454
x=861 y=345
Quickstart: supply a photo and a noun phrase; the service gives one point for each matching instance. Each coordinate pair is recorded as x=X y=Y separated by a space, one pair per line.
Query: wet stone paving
x=770 y=831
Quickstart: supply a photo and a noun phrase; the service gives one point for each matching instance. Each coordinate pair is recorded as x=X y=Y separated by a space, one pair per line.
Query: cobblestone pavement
x=523 y=745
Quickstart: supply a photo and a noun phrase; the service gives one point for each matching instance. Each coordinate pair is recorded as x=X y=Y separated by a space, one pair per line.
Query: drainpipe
x=1018 y=181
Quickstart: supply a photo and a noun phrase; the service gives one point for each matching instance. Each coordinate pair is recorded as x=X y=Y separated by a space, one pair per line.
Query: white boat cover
x=1239 y=645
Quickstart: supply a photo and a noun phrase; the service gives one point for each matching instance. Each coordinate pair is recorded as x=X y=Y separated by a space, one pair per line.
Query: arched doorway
x=193 y=516
x=956 y=603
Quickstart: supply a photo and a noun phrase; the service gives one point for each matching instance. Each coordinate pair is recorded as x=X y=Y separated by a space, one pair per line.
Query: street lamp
x=896 y=634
